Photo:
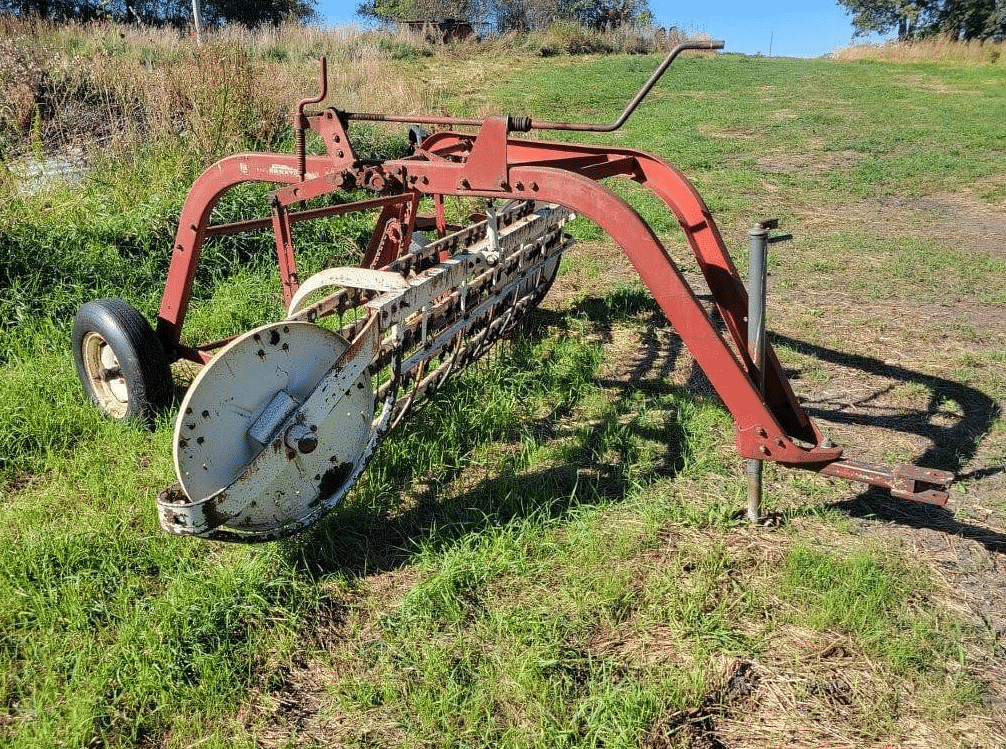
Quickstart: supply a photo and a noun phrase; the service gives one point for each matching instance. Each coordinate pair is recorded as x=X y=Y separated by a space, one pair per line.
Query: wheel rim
x=108 y=384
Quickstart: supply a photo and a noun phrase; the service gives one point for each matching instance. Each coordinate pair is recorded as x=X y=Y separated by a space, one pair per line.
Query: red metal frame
x=491 y=164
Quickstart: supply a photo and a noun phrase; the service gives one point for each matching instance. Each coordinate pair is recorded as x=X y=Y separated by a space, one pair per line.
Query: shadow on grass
x=659 y=354
x=951 y=447
x=876 y=504
x=359 y=539
x=362 y=540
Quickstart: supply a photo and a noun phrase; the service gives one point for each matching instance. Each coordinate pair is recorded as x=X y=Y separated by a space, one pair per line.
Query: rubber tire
x=144 y=367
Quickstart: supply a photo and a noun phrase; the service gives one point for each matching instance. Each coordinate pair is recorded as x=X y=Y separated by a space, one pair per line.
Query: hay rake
x=282 y=420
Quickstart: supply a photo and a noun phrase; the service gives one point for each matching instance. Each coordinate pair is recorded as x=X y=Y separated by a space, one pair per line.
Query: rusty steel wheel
x=120 y=362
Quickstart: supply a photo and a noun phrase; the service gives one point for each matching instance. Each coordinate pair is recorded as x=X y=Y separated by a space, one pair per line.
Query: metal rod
x=754 y=469
x=523 y=124
x=640 y=95
x=299 y=123
x=757 y=260
x=197 y=20
x=237 y=227
x=757 y=263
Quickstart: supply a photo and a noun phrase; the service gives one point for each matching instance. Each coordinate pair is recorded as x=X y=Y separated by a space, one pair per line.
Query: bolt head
x=301 y=439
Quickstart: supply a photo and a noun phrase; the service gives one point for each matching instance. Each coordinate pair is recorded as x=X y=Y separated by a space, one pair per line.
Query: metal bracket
x=926 y=485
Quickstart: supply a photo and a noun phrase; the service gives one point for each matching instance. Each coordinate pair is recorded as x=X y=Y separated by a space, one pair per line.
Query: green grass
x=541 y=556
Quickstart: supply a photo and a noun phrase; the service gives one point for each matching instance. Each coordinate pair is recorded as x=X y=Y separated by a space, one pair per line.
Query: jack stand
x=758 y=241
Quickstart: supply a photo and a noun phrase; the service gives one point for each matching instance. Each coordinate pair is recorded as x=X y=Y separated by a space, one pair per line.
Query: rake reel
x=282 y=420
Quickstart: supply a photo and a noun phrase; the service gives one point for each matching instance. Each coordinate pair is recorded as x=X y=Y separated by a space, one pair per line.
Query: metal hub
x=103 y=370
x=247 y=401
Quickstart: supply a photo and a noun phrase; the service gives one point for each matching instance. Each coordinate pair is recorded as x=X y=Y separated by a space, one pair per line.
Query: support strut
x=757 y=269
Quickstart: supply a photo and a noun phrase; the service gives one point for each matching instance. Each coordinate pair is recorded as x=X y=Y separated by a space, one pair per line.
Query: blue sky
x=784 y=27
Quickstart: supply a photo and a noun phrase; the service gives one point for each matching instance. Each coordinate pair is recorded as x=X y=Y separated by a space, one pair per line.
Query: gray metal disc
x=219 y=420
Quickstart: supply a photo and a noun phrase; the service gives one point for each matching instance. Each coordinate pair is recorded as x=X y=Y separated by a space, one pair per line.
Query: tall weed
x=116 y=89
x=930 y=49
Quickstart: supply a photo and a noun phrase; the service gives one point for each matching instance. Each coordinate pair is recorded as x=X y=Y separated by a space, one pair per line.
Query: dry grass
x=115 y=88
x=935 y=49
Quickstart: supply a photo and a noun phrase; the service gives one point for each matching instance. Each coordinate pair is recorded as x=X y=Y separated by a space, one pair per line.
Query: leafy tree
x=256 y=13
x=59 y=9
x=511 y=15
x=971 y=19
x=996 y=26
x=960 y=19
x=390 y=11
x=610 y=14
x=880 y=16
x=176 y=12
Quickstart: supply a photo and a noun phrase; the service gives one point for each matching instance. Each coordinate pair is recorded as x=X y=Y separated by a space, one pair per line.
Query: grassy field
x=550 y=553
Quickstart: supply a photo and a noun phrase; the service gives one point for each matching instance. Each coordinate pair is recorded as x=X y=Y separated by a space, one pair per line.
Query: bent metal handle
x=598 y=127
x=524 y=124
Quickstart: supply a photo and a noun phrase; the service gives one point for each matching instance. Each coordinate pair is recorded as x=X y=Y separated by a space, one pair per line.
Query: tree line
x=912 y=19
x=171 y=12
x=511 y=15
x=498 y=15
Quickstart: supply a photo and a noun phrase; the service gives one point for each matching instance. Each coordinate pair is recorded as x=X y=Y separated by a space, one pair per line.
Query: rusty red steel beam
x=915 y=483
x=701 y=232
x=759 y=432
x=254 y=224
x=204 y=194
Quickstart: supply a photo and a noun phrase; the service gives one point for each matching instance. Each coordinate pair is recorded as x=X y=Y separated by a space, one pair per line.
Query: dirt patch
x=297 y=709
x=387 y=588
x=299 y=712
x=731 y=134
x=810 y=162
x=814 y=692
x=290 y=709
x=920 y=82
x=815 y=698
x=590 y=269
x=959 y=219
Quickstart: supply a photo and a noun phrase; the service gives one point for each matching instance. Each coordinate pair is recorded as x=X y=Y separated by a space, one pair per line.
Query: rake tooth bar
x=417 y=327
